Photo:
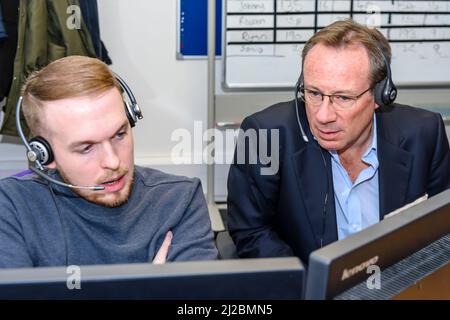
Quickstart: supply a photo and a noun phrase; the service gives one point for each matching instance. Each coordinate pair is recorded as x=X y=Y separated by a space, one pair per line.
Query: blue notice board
x=193 y=28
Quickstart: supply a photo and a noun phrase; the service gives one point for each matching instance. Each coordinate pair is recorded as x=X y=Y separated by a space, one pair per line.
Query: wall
x=141 y=38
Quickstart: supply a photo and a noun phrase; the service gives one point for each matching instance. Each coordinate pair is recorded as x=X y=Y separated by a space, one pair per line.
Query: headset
x=385 y=93
x=40 y=153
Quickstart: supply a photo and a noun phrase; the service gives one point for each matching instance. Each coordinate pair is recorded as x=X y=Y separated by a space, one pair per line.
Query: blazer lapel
x=394 y=169
x=312 y=177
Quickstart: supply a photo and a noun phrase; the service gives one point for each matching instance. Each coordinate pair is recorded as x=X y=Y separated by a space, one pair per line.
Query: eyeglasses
x=315 y=98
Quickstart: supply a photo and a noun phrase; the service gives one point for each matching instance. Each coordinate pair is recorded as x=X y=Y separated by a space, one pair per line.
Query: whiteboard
x=263 y=39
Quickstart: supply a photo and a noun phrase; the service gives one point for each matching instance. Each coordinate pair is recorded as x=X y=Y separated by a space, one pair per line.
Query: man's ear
x=52 y=165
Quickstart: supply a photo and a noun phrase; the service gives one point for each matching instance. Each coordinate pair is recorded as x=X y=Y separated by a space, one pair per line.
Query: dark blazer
x=286 y=213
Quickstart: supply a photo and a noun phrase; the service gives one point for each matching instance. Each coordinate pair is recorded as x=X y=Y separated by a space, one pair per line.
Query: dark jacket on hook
x=44 y=35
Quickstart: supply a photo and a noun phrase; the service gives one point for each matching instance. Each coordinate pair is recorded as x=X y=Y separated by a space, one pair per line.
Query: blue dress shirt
x=357 y=204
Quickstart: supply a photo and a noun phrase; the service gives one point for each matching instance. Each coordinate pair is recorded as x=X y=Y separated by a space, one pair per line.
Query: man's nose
x=110 y=158
x=326 y=112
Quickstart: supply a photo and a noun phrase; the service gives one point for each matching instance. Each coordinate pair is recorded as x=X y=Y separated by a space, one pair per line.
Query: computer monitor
x=411 y=250
x=268 y=278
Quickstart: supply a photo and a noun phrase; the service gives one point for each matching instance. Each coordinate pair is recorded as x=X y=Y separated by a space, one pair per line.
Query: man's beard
x=96 y=197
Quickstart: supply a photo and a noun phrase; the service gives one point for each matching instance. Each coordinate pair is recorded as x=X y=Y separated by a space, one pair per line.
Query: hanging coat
x=10 y=11
x=44 y=35
x=3 y=34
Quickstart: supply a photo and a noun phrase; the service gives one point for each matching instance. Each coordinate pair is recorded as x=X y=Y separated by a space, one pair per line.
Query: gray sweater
x=41 y=228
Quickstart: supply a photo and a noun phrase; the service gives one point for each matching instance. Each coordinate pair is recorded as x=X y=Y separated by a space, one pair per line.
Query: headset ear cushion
x=391 y=92
x=385 y=92
x=379 y=92
x=43 y=150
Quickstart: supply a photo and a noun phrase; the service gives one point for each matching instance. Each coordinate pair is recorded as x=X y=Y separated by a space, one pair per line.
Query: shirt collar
x=374 y=144
x=370 y=155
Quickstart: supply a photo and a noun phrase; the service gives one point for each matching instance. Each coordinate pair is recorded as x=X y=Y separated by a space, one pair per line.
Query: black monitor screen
x=272 y=278
x=404 y=256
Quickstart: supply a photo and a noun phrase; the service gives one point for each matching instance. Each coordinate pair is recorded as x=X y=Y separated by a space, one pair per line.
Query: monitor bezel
x=173 y=281
x=384 y=243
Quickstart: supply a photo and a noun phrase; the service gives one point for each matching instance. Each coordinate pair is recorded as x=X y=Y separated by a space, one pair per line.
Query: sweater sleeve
x=193 y=238
x=13 y=249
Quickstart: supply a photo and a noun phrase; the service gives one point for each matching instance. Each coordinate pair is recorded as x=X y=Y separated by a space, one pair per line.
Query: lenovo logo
x=347 y=273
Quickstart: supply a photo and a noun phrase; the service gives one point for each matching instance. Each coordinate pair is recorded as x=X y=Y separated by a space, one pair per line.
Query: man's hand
x=161 y=256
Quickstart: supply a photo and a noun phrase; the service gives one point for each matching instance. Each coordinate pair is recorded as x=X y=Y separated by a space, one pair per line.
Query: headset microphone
x=47 y=177
x=38 y=152
x=297 y=90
